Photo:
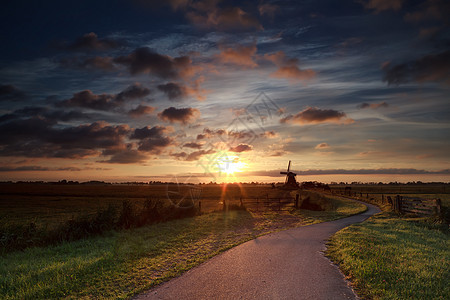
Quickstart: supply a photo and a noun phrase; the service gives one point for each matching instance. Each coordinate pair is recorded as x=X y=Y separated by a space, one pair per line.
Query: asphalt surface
x=285 y=265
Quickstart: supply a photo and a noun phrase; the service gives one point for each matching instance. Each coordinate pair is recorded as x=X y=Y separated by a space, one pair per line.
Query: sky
x=225 y=91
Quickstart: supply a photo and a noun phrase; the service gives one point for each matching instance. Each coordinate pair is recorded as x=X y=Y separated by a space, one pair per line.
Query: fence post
x=296 y=201
x=438 y=206
x=398 y=203
x=242 y=203
x=199 y=206
x=279 y=204
x=382 y=198
x=257 y=204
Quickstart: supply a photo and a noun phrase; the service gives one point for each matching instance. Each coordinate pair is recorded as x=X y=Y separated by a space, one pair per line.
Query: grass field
x=49 y=205
x=388 y=257
x=396 y=257
x=119 y=264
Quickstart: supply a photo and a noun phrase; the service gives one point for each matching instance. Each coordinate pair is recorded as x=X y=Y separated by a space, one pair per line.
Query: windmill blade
x=289 y=166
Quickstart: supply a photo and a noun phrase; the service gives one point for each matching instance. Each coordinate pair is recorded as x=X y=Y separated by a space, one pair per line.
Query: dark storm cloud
x=179 y=155
x=146 y=61
x=174 y=91
x=430 y=68
x=241 y=148
x=104 y=63
x=180 y=115
x=141 y=110
x=314 y=115
x=91 y=42
x=9 y=92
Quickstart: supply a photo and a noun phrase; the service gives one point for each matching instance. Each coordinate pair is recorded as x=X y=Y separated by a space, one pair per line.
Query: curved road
x=283 y=265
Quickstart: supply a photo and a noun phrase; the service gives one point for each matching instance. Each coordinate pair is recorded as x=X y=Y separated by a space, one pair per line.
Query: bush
x=128 y=216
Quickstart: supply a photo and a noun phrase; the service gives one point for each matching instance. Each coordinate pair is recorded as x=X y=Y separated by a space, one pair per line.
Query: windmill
x=290 y=181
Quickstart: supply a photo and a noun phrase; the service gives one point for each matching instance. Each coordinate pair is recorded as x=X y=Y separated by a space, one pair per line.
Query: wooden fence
x=418 y=206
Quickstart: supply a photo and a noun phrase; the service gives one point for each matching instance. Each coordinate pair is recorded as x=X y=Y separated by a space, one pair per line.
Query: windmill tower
x=290 y=181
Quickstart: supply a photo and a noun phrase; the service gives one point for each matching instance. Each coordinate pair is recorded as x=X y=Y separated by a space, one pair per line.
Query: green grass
x=337 y=208
x=122 y=263
x=388 y=257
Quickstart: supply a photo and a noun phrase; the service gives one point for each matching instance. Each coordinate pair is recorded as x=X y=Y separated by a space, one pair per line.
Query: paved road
x=284 y=265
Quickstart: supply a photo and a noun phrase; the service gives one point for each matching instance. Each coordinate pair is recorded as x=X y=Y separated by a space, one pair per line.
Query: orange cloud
x=207 y=15
x=288 y=68
x=322 y=146
x=314 y=115
x=241 y=56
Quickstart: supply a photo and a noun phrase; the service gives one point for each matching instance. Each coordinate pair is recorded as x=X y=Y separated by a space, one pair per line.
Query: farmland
x=121 y=263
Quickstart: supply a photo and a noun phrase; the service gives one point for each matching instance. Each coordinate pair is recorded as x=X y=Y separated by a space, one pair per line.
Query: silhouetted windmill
x=290 y=181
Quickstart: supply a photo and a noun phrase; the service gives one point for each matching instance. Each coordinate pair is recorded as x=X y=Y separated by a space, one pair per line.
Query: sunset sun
x=230 y=164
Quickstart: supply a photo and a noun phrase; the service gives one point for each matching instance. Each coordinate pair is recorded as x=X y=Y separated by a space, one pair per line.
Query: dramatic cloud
x=141 y=110
x=433 y=67
x=152 y=139
x=91 y=42
x=88 y=99
x=322 y=146
x=314 y=115
x=373 y=105
x=128 y=156
x=196 y=155
x=209 y=133
x=241 y=56
x=430 y=10
x=193 y=145
x=288 y=68
x=268 y=9
x=382 y=5
x=135 y=91
x=9 y=92
x=146 y=61
x=241 y=148
x=148 y=132
x=180 y=115
x=37 y=137
x=174 y=91
x=206 y=14
x=89 y=63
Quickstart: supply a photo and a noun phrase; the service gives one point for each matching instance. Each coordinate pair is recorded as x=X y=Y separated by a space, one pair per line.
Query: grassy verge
x=388 y=257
